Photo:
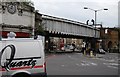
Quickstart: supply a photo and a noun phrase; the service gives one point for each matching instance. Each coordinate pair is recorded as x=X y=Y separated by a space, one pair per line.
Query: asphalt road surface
x=79 y=64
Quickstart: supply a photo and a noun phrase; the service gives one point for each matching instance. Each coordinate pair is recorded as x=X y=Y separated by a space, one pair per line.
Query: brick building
x=110 y=39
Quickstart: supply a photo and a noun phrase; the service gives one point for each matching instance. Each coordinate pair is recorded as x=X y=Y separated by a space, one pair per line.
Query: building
x=110 y=39
x=17 y=17
x=38 y=24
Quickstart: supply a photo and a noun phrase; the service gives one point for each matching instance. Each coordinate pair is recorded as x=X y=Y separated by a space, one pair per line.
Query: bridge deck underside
x=67 y=36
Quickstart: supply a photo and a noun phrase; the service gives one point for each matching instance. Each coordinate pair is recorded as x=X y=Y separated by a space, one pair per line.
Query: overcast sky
x=74 y=10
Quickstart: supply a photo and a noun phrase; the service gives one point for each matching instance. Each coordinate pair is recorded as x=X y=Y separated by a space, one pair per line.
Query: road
x=79 y=64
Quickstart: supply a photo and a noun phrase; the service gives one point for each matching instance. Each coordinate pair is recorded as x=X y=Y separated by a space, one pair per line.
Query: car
x=101 y=51
x=66 y=48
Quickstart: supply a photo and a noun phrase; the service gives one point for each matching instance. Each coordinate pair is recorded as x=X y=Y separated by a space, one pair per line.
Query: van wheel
x=21 y=75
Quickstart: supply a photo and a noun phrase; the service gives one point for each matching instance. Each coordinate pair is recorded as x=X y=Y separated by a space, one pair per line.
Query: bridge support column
x=47 y=43
x=93 y=46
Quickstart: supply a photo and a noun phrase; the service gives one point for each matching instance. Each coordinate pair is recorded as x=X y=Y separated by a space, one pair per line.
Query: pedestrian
x=83 y=47
x=73 y=45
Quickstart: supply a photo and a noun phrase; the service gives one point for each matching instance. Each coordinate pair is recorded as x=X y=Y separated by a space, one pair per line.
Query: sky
x=74 y=10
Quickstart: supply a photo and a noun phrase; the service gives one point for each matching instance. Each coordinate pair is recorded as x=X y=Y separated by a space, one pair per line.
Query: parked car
x=101 y=51
x=67 y=48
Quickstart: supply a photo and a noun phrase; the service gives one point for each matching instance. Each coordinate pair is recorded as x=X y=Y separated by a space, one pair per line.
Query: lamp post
x=95 y=15
x=95 y=20
x=0 y=32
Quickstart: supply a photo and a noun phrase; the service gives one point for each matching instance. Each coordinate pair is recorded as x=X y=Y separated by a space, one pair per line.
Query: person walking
x=83 y=47
x=73 y=44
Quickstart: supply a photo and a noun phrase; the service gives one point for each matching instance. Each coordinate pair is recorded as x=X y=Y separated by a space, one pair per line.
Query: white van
x=22 y=58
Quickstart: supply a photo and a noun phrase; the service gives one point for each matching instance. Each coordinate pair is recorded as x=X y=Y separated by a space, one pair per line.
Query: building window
x=106 y=31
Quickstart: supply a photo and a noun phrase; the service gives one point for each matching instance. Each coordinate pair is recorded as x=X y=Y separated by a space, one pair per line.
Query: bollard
x=84 y=52
x=91 y=54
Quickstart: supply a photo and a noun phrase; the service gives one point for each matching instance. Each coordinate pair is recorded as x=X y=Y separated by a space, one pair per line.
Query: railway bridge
x=65 y=29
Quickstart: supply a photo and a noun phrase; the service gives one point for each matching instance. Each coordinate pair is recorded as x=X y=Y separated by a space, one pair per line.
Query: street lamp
x=95 y=18
x=95 y=14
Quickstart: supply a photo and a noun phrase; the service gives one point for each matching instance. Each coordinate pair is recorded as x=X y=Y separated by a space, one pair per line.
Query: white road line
x=113 y=67
x=62 y=65
x=112 y=60
x=90 y=63
x=116 y=64
x=94 y=64
x=84 y=64
x=78 y=64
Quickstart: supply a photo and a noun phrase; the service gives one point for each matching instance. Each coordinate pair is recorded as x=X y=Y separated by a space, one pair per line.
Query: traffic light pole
x=95 y=38
x=0 y=32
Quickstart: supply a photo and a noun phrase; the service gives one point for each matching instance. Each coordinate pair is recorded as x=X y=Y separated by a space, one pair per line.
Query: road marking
x=94 y=64
x=78 y=64
x=63 y=65
x=90 y=63
x=112 y=60
x=116 y=64
x=113 y=67
x=85 y=64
